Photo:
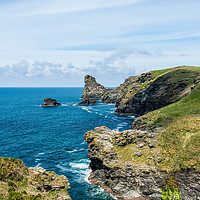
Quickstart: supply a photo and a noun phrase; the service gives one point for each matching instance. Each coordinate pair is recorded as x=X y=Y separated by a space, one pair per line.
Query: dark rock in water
x=48 y=102
x=87 y=102
x=92 y=89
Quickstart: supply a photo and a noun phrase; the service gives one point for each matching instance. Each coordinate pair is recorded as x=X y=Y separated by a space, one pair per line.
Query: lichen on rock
x=158 y=158
x=92 y=89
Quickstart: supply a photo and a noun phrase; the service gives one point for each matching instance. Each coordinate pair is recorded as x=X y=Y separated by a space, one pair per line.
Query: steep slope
x=92 y=89
x=158 y=158
x=132 y=83
x=163 y=88
x=18 y=182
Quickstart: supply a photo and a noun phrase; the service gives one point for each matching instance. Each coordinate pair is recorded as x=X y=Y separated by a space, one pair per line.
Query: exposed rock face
x=164 y=90
x=92 y=89
x=87 y=102
x=126 y=89
x=159 y=156
x=48 y=102
x=110 y=96
x=126 y=165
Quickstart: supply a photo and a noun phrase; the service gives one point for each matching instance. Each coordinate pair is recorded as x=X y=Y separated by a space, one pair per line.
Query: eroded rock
x=87 y=102
x=92 y=89
x=48 y=102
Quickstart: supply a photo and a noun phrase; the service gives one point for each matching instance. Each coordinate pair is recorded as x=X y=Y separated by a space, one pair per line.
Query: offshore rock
x=87 y=102
x=92 y=89
x=48 y=102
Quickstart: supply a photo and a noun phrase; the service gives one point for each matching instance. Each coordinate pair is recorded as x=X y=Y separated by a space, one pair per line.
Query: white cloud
x=66 y=39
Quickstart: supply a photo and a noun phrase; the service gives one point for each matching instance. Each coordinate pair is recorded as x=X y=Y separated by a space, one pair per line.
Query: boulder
x=48 y=102
x=87 y=102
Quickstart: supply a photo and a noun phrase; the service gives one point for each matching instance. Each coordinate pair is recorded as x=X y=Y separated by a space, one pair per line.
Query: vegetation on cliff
x=18 y=182
x=160 y=155
x=180 y=140
x=156 y=89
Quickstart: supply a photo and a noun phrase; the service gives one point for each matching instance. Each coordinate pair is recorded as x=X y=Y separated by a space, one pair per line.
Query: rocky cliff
x=160 y=89
x=20 y=182
x=126 y=89
x=158 y=158
x=92 y=89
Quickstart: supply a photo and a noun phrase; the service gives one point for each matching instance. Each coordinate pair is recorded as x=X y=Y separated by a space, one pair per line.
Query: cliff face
x=126 y=89
x=92 y=89
x=157 y=91
x=20 y=182
x=127 y=164
x=158 y=158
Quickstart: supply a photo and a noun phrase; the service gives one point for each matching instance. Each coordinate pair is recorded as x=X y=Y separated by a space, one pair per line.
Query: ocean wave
x=84 y=142
x=121 y=125
x=74 y=150
x=38 y=165
x=87 y=109
x=79 y=165
x=39 y=154
x=79 y=168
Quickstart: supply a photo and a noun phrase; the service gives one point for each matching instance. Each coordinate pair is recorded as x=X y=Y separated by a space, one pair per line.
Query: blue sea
x=53 y=138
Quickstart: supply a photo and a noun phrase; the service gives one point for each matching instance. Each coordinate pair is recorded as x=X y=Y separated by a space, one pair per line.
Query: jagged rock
x=48 y=102
x=110 y=96
x=87 y=102
x=132 y=179
x=157 y=92
x=92 y=89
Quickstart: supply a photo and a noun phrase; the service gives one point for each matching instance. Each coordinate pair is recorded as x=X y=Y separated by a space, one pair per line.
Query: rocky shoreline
x=138 y=176
x=158 y=157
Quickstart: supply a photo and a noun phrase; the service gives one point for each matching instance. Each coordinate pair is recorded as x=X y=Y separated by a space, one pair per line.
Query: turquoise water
x=53 y=137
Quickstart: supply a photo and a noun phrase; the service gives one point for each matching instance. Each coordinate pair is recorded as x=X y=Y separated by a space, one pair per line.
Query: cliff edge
x=158 y=158
x=20 y=182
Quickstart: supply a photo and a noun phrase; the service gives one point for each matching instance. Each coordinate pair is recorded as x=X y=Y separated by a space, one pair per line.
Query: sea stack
x=92 y=89
x=48 y=102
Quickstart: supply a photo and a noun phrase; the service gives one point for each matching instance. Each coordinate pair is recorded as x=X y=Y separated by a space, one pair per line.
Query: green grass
x=18 y=182
x=187 y=106
x=158 y=73
x=170 y=190
x=180 y=142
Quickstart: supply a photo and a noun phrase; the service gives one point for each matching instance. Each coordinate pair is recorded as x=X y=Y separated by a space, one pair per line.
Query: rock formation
x=150 y=91
x=48 y=102
x=20 y=182
x=92 y=89
x=126 y=164
x=158 y=158
x=87 y=102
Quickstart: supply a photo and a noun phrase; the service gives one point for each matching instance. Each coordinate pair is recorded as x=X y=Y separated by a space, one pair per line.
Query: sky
x=55 y=43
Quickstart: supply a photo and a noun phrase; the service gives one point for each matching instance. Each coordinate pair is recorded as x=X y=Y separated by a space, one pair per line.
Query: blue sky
x=56 y=42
